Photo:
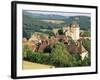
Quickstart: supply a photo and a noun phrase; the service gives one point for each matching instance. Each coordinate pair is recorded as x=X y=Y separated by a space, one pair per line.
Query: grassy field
x=31 y=65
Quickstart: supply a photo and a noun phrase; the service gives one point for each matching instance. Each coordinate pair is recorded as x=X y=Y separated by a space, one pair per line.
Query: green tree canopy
x=60 y=32
x=59 y=55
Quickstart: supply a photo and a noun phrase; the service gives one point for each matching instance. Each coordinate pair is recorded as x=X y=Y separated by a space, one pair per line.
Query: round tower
x=75 y=29
x=65 y=28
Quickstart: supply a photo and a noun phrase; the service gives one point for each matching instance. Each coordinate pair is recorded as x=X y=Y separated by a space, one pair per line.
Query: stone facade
x=72 y=30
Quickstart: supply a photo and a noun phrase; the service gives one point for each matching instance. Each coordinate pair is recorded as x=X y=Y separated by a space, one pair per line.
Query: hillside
x=83 y=21
x=33 y=22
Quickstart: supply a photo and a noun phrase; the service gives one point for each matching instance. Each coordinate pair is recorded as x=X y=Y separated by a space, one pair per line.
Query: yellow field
x=31 y=65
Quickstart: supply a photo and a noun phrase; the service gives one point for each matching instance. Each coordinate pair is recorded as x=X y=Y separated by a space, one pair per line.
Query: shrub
x=38 y=57
x=26 y=51
x=28 y=54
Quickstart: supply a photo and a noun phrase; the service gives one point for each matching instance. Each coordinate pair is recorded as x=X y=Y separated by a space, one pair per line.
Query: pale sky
x=59 y=13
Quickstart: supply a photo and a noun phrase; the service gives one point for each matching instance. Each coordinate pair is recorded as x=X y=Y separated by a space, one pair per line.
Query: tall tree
x=60 y=56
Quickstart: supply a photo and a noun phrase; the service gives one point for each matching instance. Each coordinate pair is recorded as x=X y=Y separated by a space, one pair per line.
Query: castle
x=72 y=30
x=40 y=43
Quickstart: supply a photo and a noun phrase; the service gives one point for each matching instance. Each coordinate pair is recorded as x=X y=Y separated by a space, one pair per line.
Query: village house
x=78 y=48
x=24 y=40
x=42 y=46
x=62 y=38
x=30 y=44
x=40 y=43
x=46 y=43
x=83 y=52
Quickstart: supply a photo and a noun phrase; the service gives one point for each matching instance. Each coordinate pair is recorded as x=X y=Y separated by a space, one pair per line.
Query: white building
x=72 y=30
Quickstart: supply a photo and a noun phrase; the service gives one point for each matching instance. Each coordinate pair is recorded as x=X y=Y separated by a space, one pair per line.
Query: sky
x=59 y=13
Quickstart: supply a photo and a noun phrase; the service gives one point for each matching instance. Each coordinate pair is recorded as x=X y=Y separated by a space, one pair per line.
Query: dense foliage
x=85 y=34
x=59 y=57
x=35 y=56
x=87 y=44
x=57 y=54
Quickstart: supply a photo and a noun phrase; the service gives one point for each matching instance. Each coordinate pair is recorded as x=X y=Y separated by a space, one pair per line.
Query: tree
x=29 y=55
x=60 y=32
x=60 y=57
x=87 y=44
x=76 y=60
x=26 y=34
x=47 y=49
x=86 y=61
x=70 y=40
x=26 y=51
x=86 y=34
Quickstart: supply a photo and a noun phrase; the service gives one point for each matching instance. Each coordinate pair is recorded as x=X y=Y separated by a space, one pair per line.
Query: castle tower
x=55 y=31
x=66 y=30
x=75 y=29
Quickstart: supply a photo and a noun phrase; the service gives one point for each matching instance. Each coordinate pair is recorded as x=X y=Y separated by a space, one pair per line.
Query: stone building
x=72 y=30
x=78 y=48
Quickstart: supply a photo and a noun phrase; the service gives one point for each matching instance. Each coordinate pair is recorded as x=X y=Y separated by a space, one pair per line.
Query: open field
x=54 y=21
x=31 y=65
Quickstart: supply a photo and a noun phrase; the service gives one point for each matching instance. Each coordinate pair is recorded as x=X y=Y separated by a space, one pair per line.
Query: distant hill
x=43 y=16
x=84 y=21
x=33 y=22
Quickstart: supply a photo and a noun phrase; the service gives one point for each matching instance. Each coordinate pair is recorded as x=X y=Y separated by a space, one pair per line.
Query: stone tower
x=72 y=30
x=75 y=30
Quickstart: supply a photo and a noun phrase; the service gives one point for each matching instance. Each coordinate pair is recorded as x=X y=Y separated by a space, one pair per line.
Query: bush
x=38 y=57
x=26 y=51
x=28 y=54
x=41 y=58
